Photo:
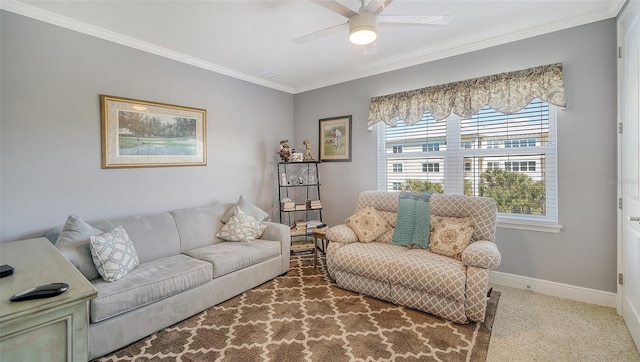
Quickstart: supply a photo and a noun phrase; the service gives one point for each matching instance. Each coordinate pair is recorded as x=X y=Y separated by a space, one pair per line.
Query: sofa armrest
x=281 y=233
x=341 y=234
x=481 y=254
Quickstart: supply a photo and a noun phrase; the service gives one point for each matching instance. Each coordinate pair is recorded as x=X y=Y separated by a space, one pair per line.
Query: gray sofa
x=184 y=269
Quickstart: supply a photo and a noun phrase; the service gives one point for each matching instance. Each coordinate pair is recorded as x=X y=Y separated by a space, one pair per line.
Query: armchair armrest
x=481 y=254
x=341 y=234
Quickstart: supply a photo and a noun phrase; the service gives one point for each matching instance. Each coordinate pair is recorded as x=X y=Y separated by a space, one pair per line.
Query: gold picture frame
x=335 y=139
x=137 y=133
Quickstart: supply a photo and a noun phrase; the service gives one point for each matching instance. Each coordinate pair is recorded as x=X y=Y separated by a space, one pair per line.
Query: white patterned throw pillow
x=367 y=224
x=450 y=235
x=241 y=227
x=113 y=254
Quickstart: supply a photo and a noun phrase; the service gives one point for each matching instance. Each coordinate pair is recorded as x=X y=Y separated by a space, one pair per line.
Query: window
x=432 y=146
x=430 y=167
x=397 y=167
x=489 y=154
x=529 y=142
x=397 y=149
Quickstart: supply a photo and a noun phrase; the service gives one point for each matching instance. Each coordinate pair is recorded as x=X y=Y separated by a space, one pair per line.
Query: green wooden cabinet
x=50 y=329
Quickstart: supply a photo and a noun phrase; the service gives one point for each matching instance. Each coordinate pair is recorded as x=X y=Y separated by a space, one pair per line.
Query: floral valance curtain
x=505 y=92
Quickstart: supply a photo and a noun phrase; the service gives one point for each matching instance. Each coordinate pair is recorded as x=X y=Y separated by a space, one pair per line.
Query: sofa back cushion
x=198 y=225
x=482 y=210
x=154 y=235
x=385 y=202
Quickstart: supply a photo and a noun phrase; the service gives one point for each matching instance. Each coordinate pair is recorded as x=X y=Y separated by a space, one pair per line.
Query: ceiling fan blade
x=370 y=49
x=377 y=6
x=321 y=33
x=414 y=20
x=336 y=7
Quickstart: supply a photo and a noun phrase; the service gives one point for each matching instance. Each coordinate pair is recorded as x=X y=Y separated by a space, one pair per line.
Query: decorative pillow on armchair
x=241 y=227
x=113 y=254
x=368 y=224
x=450 y=235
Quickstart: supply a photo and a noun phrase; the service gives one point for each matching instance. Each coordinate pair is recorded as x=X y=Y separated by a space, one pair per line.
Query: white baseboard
x=555 y=289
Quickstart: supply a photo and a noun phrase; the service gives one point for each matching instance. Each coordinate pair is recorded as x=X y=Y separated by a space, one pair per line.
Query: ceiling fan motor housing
x=362 y=28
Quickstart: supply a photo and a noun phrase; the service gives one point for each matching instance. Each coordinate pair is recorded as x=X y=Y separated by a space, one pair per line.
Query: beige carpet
x=538 y=327
x=302 y=316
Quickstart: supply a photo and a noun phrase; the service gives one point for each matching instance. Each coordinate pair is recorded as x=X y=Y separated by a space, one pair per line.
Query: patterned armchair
x=452 y=287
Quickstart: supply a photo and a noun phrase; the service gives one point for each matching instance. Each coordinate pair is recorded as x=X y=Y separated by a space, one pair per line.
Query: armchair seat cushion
x=421 y=270
x=366 y=259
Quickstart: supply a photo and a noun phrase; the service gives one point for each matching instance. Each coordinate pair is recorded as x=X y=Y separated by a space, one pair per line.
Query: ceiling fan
x=363 y=24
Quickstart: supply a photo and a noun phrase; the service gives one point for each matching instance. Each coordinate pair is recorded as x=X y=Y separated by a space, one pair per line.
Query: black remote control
x=41 y=291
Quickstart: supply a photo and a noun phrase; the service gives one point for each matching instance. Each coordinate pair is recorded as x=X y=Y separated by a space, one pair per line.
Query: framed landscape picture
x=139 y=133
x=335 y=139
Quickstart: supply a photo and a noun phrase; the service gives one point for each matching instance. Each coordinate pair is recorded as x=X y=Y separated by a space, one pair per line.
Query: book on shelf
x=299 y=227
x=287 y=206
x=301 y=207
x=313 y=204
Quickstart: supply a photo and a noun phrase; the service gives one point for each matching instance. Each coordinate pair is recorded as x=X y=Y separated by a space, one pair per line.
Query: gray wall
x=50 y=130
x=584 y=252
x=50 y=138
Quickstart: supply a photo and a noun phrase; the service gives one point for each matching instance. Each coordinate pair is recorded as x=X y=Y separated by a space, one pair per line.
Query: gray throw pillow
x=248 y=208
x=73 y=243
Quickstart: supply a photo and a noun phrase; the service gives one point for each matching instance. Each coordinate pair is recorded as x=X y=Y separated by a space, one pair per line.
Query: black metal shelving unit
x=300 y=183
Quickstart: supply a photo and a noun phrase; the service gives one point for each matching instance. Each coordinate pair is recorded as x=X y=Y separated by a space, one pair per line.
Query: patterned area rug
x=303 y=316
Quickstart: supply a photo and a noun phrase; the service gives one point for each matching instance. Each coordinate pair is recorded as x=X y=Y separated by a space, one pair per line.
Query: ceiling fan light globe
x=362 y=36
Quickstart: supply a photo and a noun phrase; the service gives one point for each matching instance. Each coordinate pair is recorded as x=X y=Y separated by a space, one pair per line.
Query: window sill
x=529 y=225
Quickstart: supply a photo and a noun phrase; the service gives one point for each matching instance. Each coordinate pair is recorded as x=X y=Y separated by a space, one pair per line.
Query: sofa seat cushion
x=230 y=256
x=425 y=271
x=148 y=283
x=366 y=259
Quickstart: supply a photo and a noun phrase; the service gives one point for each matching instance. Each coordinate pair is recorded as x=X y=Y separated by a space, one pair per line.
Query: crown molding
x=88 y=29
x=442 y=53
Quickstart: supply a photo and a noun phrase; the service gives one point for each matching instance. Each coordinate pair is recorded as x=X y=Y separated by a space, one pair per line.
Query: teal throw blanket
x=412 y=224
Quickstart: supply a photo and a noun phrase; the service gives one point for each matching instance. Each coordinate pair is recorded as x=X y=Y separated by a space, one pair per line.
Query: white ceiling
x=243 y=38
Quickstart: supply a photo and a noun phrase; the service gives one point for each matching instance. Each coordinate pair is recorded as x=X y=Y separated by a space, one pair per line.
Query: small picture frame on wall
x=335 y=139
x=139 y=133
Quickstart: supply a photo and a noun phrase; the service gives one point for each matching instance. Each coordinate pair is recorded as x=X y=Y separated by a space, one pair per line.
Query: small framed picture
x=335 y=139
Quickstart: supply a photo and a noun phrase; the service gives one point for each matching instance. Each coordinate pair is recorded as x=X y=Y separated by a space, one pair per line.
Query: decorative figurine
x=285 y=151
x=308 y=155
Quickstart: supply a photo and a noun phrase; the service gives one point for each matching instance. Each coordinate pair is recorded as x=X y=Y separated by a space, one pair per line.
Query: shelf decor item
x=139 y=133
x=285 y=151
x=335 y=139
x=308 y=154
